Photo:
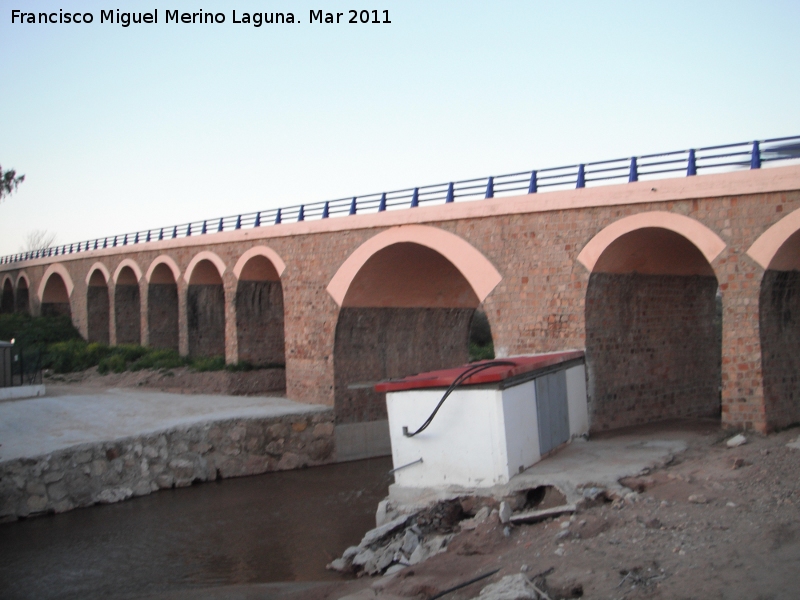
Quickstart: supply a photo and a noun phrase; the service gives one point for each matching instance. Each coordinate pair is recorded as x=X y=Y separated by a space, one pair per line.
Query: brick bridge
x=684 y=292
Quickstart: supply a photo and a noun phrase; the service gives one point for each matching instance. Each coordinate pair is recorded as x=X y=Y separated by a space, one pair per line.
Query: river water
x=267 y=528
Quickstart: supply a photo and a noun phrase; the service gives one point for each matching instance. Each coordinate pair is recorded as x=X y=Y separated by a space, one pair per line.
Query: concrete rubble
x=510 y=587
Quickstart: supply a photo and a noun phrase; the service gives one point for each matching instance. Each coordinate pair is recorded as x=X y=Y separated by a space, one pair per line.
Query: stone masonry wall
x=259 y=322
x=379 y=343
x=206 y=320
x=21 y=302
x=162 y=303
x=108 y=472
x=652 y=348
x=127 y=314
x=780 y=345
x=97 y=308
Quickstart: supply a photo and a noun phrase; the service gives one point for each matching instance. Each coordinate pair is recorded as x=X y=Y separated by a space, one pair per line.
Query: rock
x=351 y=552
x=736 y=441
x=375 y=535
x=795 y=444
x=340 y=564
x=510 y=587
x=37 y=503
x=53 y=476
x=698 y=499
x=410 y=542
x=113 y=495
x=738 y=463
x=505 y=512
x=57 y=491
x=362 y=558
x=394 y=569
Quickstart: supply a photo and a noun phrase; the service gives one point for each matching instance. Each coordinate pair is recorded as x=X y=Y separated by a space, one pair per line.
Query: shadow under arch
x=162 y=303
x=259 y=308
x=406 y=308
x=97 y=305
x=128 y=303
x=778 y=251
x=653 y=328
x=205 y=305
x=7 y=302
x=54 y=292
x=22 y=301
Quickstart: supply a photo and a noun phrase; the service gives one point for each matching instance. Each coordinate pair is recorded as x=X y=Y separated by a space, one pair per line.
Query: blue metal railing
x=649 y=166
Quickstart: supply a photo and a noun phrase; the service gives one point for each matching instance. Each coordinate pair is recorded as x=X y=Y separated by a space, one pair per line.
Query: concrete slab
x=600 y=462
x=22 y=391
x=68 y=417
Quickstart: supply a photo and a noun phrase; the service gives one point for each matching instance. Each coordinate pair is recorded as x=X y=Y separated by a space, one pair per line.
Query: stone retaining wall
x=106 y=472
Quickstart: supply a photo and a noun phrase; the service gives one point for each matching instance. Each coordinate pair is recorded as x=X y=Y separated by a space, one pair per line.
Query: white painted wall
x=479 y=438
x=576 y=401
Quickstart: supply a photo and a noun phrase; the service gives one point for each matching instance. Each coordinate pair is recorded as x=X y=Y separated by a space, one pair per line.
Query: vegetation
x=9 y=181
x=481 y=346
x=64 y=351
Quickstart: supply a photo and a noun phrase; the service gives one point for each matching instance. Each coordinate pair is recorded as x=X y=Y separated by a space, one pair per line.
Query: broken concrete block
x=736 y=441
x=510 y=587
x=505 y=512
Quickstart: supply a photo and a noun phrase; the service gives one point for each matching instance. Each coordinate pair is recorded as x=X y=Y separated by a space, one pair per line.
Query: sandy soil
x=714 y=523
x=179 y=381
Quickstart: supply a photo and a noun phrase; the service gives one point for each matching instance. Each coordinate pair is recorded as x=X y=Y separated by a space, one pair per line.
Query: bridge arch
x=7 y=300
x=168 y=263
x=128 y=302
x=97 y=303
x=205 y=305
x=162 y=303
x=55 y=291
x=408 y=296
x=778 y=251
x=22 y=296
x=653 y=321
x=259 y=307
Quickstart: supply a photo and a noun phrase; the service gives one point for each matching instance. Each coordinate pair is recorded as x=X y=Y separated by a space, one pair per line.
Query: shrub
x=114 y=363
x=158 y=359
x=73 y=355
x=37 y=331
x=208 y=363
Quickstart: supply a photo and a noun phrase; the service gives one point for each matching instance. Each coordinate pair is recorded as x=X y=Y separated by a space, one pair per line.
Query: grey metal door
x=552 y=411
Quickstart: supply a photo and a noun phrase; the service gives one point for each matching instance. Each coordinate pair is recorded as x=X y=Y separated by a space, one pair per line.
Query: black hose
x=473 y=370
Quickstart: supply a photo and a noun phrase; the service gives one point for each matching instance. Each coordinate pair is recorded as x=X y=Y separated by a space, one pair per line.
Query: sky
x=119 y=129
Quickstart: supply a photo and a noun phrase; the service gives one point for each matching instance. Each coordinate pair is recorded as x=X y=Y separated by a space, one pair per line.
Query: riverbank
x=78 y=446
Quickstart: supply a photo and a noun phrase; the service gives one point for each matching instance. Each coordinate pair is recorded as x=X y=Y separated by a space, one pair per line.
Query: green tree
x=9 y=181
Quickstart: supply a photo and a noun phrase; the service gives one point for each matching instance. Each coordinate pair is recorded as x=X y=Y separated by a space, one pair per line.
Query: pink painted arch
x=706 y=241
x=474 y=266
x=55 y=268
x=767 y=249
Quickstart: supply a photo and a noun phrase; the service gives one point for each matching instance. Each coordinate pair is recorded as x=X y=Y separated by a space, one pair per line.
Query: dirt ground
x=181 y=381
x=716 y=522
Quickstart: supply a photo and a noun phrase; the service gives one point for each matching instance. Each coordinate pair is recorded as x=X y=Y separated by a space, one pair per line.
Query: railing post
x=451 y=194
x=353 y=207
x=238 y=222
x=581 y=183
x=258 y=218
x=382 y=205
x=204 y=229
x=415 y=198
x=161 y=234
x=114 y=244
x=189 y=230
x=301 y=214
x=147 y=239
x=691 y=167
x=490 y=188
x=533 y=185
x=136 y=239
x=755 y=159
x=634 y=174
x=325 y=210
x=277 y=218
x=221 y=225
x=175 y=232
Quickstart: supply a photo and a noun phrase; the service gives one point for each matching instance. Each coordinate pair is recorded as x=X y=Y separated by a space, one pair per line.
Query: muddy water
x=267 y=528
